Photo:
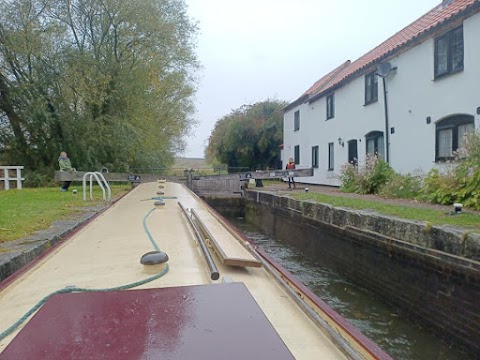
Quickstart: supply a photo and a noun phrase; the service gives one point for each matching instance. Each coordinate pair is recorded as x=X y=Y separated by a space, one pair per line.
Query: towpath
x=334 y=191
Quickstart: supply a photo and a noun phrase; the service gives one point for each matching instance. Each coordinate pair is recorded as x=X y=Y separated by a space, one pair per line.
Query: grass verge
x=436 y=217
x=22 y=212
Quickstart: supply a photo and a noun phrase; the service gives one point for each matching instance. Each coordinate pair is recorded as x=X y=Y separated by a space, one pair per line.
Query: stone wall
x=433 y=272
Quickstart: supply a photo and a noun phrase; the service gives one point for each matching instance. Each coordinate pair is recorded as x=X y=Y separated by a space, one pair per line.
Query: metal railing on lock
x=102 y=182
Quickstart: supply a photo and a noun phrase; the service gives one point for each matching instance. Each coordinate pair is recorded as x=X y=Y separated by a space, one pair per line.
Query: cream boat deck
x=106 y=253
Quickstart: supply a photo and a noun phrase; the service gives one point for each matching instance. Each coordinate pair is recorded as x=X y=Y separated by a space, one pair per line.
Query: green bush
x=468 y=192
x=349 y=177
x=458 y=184
x=439 y=187
x=40 y=178
x=402 y=186
x=376 y=174
x=458 y=181
x=368 y=179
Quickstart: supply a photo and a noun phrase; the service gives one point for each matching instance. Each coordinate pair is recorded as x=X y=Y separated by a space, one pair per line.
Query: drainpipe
x=387 y=137
x=383 y=71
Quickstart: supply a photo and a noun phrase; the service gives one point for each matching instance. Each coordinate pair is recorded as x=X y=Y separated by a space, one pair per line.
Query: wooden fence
x=7 y=178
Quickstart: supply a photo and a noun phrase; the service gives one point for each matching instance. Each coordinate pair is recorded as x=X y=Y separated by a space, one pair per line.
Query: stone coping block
x=472 y=246
x=448 y=239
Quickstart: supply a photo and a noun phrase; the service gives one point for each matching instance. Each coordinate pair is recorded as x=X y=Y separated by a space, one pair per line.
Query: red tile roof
x=324 y=81
x=430 y=21
x=318 y=86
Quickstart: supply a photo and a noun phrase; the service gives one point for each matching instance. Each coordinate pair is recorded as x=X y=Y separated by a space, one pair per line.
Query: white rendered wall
x=413 y=95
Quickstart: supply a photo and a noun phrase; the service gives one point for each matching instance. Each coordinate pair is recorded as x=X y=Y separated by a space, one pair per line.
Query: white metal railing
x=102 y=182
x=6 y=176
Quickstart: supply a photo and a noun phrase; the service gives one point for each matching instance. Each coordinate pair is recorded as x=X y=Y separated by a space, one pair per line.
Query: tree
x=110 y=81
x=248 y=137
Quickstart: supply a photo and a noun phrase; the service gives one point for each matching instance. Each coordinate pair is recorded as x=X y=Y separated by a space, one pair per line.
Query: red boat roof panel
x=220 y=321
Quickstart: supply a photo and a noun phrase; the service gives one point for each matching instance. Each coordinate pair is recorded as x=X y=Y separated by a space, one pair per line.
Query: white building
x=431 y=73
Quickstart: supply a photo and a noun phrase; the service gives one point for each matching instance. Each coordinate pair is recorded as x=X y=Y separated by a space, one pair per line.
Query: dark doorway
x=352 y=152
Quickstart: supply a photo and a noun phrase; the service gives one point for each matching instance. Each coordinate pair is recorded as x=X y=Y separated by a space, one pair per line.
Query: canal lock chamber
x=429 y=273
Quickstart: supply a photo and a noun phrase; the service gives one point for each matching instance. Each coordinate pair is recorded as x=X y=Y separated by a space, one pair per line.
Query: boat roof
x=174 y=323
x=106 y=252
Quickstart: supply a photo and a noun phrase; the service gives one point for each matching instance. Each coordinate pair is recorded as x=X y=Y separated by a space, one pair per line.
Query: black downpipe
x=387 y=137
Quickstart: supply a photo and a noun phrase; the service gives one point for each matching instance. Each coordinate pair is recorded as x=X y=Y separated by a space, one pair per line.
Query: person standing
x=65 y=165
x=290 y=166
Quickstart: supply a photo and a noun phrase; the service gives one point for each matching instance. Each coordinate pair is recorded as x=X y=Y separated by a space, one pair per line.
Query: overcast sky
x=253 y=50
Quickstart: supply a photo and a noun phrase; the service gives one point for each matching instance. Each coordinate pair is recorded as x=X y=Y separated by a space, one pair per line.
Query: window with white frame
x=296 y=120
x=375 y=144
x=331 y=156
x=451 y=134
x=315 y=156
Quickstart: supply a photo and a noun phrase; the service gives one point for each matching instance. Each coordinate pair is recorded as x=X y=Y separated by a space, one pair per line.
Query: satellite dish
x=384 y=69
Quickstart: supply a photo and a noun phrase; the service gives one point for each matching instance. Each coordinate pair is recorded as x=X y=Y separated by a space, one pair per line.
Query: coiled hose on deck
x=74 y=289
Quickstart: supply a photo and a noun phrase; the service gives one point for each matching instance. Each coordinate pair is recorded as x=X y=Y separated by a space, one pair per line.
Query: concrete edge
x=13 y=261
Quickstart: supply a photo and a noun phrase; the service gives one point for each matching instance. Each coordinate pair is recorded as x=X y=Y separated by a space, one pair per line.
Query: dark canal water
x=395 y=333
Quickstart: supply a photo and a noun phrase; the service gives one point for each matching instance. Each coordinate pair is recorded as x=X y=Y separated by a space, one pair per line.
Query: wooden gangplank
x=225 y=245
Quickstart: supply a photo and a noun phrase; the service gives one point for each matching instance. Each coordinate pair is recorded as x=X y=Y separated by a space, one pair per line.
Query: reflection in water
x=393 y=332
